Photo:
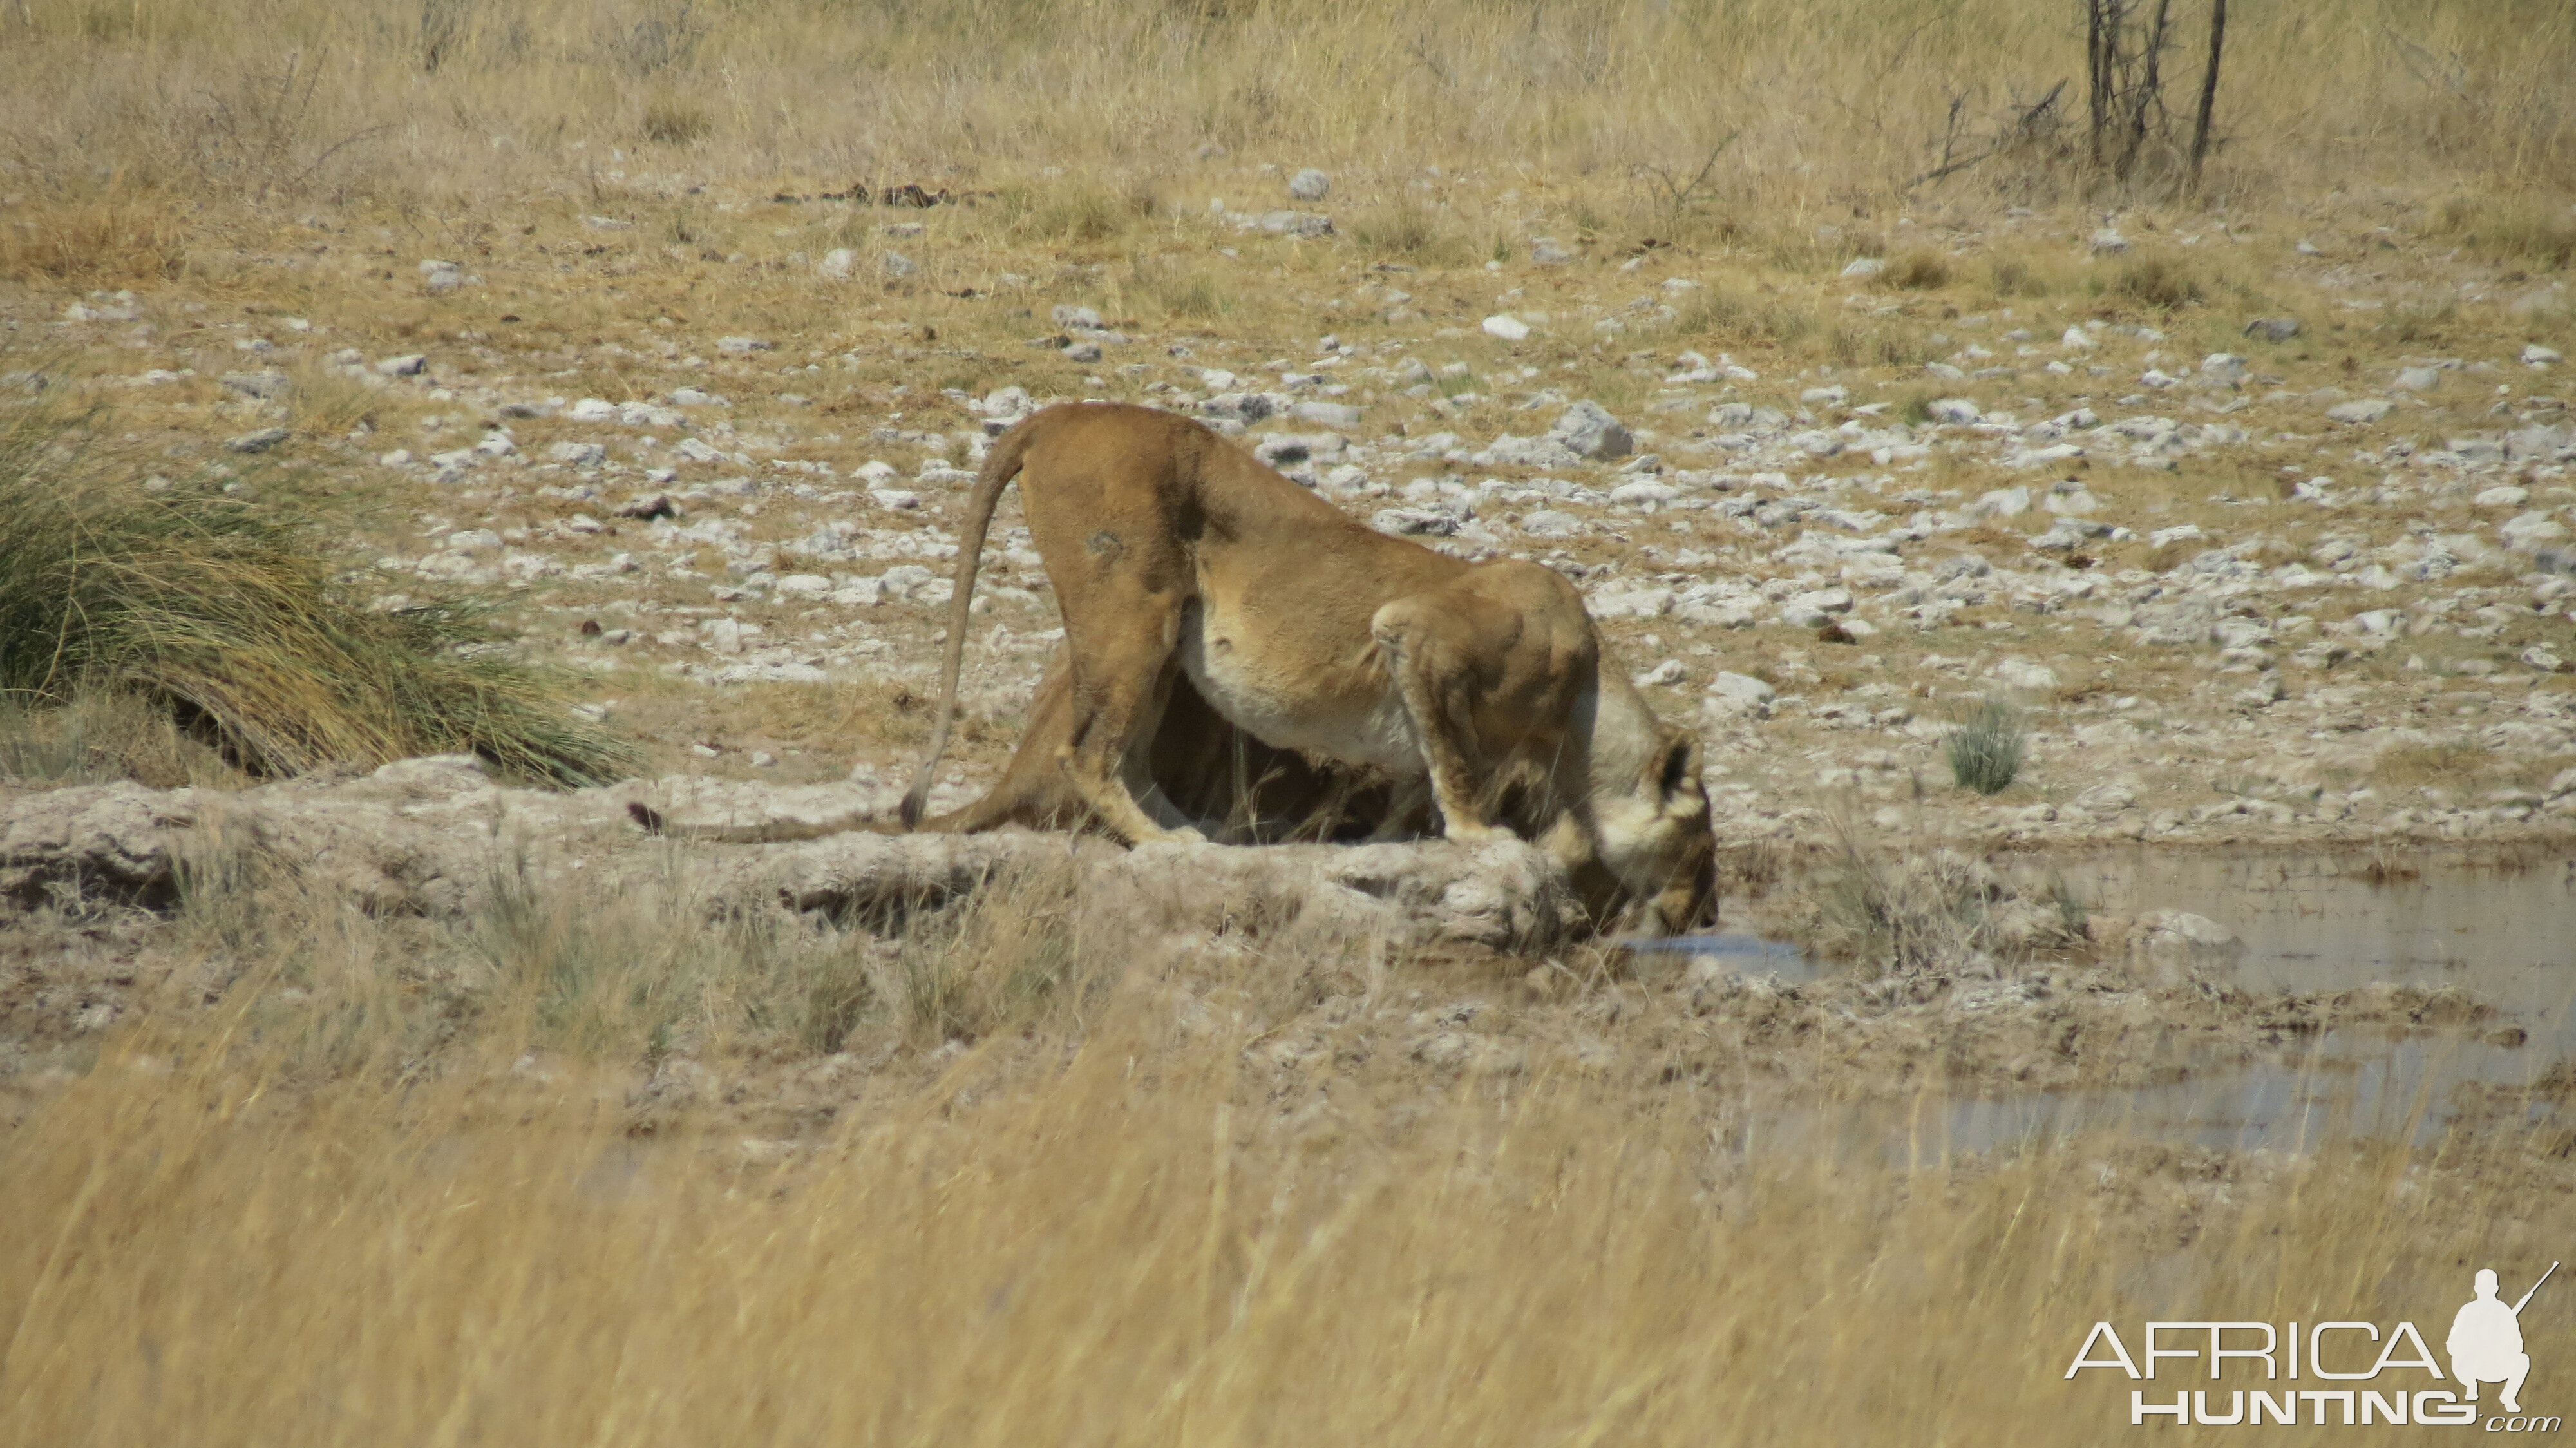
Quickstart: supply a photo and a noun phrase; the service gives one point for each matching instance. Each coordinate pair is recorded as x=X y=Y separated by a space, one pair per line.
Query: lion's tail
x=1000 y=466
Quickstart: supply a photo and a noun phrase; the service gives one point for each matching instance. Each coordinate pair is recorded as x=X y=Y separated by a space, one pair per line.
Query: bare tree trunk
x=2208 y=91
x=2148 y=94
x=2101 y=38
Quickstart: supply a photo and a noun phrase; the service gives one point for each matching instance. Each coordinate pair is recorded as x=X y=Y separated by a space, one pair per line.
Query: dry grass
x=389 y=1186
x=207 y=597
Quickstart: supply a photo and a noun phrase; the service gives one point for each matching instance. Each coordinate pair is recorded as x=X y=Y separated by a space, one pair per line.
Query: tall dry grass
x=1814 y=103
x=364 y=1199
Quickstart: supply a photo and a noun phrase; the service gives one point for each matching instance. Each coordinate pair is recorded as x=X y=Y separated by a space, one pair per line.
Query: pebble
x=1547 y=251
x=410 y=364
x=1084 y=350
x=2108 y=240
x=1507 y=327
x=440 y=276
x=1071 y=316
x=257 y=442
x=1310 y=184
x=1863 y=268
x=2273 y=329
x=2361 y=410
x=2539 y=356
x=1952 y=410
x=838 y=263
x=740 y=346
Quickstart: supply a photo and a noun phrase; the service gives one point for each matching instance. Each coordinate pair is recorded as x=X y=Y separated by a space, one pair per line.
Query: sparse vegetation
x=2158 y=281
x=1985 y=753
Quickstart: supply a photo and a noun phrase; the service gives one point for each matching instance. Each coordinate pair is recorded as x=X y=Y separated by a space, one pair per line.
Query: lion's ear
x=1677 y=765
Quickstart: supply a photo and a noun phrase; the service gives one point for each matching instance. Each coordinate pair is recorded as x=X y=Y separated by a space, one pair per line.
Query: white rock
x=1548 y=523
x=579 y=454
x=1330 y=414
x=1863 y=268
x=1589 y=431
x=2075 y=337
x=741 y=346
x=1506 y=326
x=1816 y=608
x=496 y=444
x=2181 y=932
x=1666 y=673
x=1310 y=184
x=896 y=264
x=1952 y=410
x=2539 y=356
x=2109 y=239
x=592 y=409
x=2223 y=367
x=838 y=263
x=803 y=585
x=2507 y=496
x=2023 y=674
x=2000 y=503
x=1739 y=693
x=409 y=365
x=1548 y=251
x=1071 y=316
x=2418 y=379
x=2531 y=530
x=441 y=276
x=896 y=498
x=2360 y=410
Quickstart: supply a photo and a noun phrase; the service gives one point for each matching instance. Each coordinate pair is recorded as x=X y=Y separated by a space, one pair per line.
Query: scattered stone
x=1589 y=431
x=579 y=454
x=1507 y=327
x=1815 y=608
x=2360 y=411
x=264 y=386
x=1733 y=693
x=2224 y=367
x=2108 y=240
x=741 y=346
x=1952 y=410
x=410 y=364
x=1330 y=414
x=2024 y=675
x=1861 y=269
x=2273 y=329
x=1082 y=350
x=2539 y=356
x=1546 y=251
x=838 y=263
x=1310 y=184
x=438 y=277
x=898 y=266
x=257 y=442
x=2418 y=379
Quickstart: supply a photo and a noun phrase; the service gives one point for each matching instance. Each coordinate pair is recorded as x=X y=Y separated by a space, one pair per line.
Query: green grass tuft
x=218 y=608
x=1986 y=752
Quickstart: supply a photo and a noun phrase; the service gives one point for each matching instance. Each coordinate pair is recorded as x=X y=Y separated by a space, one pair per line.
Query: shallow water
x=2308 y=923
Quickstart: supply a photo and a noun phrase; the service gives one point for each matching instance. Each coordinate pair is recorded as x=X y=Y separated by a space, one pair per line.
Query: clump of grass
x=220 y=609
x=1069 y=215
x=1412 y=232
x=1917 y=271
x=1745 y=321
x=1985 y=753
x=2157 y=281
x=2010 y=276
x=1190 y=295
x=1007 y=956
x=2454 y=764
x=675 y=122
x=115 y=238
x=2519 y=230
x=104 y=734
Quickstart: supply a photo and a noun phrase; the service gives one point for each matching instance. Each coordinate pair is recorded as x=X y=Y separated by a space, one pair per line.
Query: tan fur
x=1174 y=554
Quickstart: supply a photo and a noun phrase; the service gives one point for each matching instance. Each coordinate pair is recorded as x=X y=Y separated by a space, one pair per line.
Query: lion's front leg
x=1430 y=651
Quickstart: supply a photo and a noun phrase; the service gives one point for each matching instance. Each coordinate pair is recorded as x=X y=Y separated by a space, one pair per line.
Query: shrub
x=1985 y=753
x=220 y=610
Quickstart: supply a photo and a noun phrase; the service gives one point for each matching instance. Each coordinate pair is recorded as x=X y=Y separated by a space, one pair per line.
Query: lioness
x=1168 y=546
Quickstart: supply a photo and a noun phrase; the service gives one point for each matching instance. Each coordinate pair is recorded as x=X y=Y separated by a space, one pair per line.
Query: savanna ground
x=358 y=353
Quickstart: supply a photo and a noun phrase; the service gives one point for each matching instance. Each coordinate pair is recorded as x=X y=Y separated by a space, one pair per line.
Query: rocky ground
x=2265 y=521
x=2262 y=523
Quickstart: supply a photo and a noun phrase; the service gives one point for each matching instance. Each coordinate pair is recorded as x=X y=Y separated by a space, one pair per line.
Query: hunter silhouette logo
x=2364 y=1376
x=2486 y=1341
